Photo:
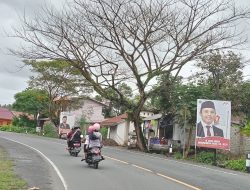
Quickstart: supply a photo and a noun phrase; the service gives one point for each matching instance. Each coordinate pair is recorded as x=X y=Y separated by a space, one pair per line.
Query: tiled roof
x=18 y=114
x=5 y=114
x=114 y=120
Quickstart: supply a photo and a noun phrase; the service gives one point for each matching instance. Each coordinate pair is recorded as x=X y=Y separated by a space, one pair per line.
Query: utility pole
x=184 y=141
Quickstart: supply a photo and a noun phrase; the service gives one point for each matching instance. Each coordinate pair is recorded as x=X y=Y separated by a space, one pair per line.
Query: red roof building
x=18 y=114
x=114 y=120
x=6 y=116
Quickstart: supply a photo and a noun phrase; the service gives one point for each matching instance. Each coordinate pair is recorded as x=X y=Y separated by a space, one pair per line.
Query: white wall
x=177 y=131
x=146 y=113
x=91 y=110
x=119 y=133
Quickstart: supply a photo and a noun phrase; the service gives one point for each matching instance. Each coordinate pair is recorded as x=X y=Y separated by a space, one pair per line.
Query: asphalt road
x=46 y=164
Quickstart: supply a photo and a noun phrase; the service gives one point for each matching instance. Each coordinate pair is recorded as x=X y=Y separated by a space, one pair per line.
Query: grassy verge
x=8 y=179
x=225 y=161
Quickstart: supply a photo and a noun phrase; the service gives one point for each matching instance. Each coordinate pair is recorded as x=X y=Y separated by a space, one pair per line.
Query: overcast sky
x=13 y=78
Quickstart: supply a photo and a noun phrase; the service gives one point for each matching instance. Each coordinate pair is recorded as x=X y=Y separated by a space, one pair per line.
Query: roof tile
x=5 y=114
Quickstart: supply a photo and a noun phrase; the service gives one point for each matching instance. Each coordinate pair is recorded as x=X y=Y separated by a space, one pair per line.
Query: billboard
x=68 y=118
x=213 y=124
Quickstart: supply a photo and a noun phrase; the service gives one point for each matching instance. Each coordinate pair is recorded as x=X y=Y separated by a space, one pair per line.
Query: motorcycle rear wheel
x=96 y=165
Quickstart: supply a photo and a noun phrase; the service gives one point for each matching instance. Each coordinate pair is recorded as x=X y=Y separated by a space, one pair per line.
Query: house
x=150 y=124
x=6 y=116
x=145 y=113
x=89 y=109
x=118 y=128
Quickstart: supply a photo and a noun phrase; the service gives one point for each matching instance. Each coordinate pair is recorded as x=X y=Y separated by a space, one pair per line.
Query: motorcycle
x=94 y=157
x=75 y=148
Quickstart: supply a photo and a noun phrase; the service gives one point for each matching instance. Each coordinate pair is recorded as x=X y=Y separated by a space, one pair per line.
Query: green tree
x=244 y=104
x=23 y=121
x=59 y=80
x=114 y=41
x=31 y=101
x=116 y=108
x=9 y=106
x=223 y=72
x=181 y=101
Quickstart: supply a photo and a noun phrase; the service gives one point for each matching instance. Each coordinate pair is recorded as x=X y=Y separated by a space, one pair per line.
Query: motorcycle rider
x=86 y=143
x=74 y=136
x=94 y=138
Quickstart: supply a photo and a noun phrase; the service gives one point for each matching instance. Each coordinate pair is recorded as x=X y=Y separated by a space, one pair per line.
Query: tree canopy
x=31 y=101
x=132 y=41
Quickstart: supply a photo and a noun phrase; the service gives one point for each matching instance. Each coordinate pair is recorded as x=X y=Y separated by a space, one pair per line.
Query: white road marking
x=159 y=174
x=178 y=181
x=116 y=160
x=188 y=164
x=142 y=168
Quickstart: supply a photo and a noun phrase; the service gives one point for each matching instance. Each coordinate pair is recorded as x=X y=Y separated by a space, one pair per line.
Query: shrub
x=23 y=121
x=178 y=155
x=104 y=132
x=50 y=131
x=208 y=157
x=239 y=165
x=11 y=128
x=205 y=157
x=246 y=130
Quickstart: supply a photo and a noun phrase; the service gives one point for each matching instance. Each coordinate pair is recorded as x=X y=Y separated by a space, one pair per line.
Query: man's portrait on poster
x=207 y=126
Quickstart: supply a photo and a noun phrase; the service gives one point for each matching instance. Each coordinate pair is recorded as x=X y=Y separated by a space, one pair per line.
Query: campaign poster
x=67 y=120
x=213 y=124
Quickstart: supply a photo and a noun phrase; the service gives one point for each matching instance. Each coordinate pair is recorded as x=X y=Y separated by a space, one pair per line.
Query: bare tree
x=132 y=41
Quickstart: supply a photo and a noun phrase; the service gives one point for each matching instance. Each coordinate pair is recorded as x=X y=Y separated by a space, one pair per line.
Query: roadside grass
x=48 y=131
x=8 y=179
x=228 y=161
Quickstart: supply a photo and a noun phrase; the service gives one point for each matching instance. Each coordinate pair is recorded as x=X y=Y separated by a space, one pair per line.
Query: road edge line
x=51 y=163
x=177 y=181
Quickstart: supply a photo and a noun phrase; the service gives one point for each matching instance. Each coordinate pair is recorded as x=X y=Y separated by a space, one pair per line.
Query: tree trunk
x=140 y=138
x=189 y=141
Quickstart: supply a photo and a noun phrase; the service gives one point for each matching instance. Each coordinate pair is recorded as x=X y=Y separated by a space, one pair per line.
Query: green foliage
x=58 y=80
x=178 y=155
x=116 y=97
x=31 y=101
x=82 y=123
x=239 y=165
x=8 y=106
x=16 y=129
x=50 y=131
x=23 y=121
x=208 y=157
x=104 y=132
x=222 y=71
x=245 y=100
x=175 y=97
x=205 y=157
x=246 y=130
